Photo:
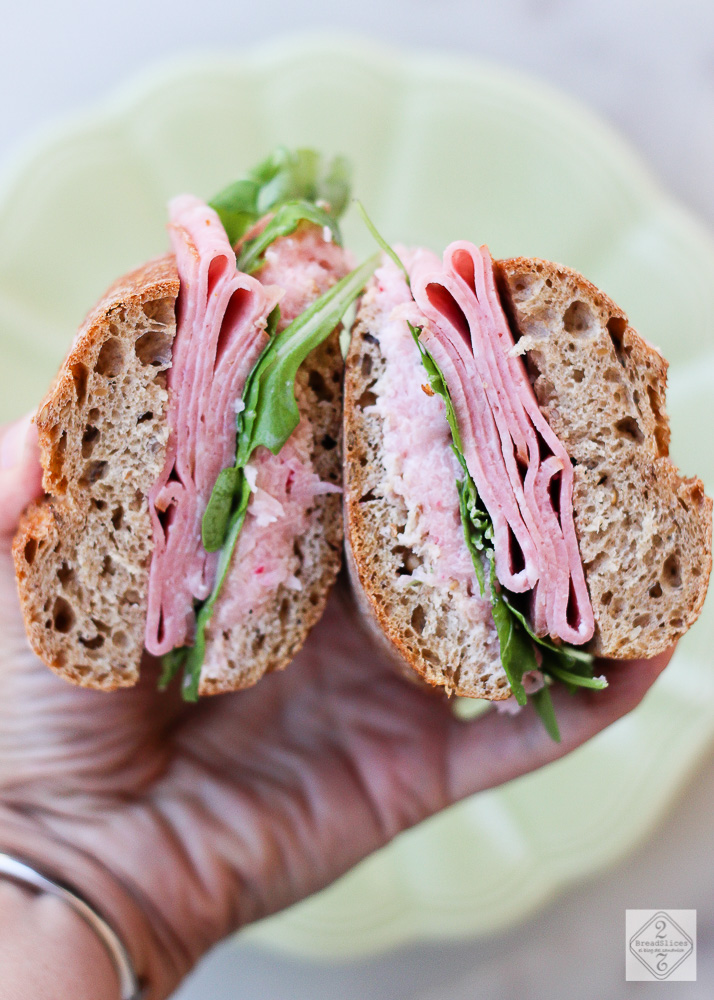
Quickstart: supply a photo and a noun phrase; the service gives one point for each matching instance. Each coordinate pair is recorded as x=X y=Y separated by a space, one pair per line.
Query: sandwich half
x=191 y=446
x=511 y=508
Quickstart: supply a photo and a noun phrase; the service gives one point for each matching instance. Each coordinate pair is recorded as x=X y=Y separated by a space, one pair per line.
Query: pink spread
x=520 y=468
x=222 y=315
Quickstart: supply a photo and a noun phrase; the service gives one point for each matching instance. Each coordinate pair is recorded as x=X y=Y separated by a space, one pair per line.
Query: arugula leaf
x=478 y=530
x=271 y=414
x=380 y=240
x=543 y=704
x=269 y=417
x=237 y=207
x=191 y=657
x=284 y=176
x=517 y=653
x=438 y=384
x=284 y=222
x=218 y=512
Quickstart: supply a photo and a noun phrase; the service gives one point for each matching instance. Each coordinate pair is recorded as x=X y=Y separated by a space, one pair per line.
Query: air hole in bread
x=368 y=497
x=30 y=551
x=93 y=471
x=131 y=597
x=579 y=319
x=65 y=574
x=284 y=611
x=616 y=327
x=525 y=286
x=79 y=376
x=108 y=568
x=161 y=311
x=671 y=571
x=320 y=387
x=111 y=360
x=629 y=428
x=117 y=517
x=655 y=590
x=578 y=375
x=606 y=598
x=367 y=398
x=120 y=640
x=63 y=617
x=96 y=643
x=641 y=620
x=328 y=442
x=409 y=560
x=154 y=348
x=145 y=416
x=88 y=440
x=366 y=366
x=99 y=504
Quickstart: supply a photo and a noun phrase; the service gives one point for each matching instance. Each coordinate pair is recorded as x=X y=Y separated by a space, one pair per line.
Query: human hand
x=183 y=823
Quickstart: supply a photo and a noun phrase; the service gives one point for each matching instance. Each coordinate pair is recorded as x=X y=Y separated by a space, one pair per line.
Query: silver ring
x=19 y=871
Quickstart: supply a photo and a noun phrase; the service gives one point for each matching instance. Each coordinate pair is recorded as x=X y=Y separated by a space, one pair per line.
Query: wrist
x=47 y=949
x=106 y=892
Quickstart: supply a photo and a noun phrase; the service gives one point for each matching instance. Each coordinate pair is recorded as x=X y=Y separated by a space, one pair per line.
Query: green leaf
x=283 y=176
x=334 y=186
x=284 y=222
x=171 y=663
x=543 y=704
x=236 y=206
x=576 y=680
x=380 y=240
x=191 y=657
x=218 y=512
x=517 y=653
x=438 y=384
x=474 y=529
x=571 y=653
x=271 y=414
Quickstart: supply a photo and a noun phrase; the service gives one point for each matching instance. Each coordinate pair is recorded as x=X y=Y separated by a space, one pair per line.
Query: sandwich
x=190 y=446
x=511 y=509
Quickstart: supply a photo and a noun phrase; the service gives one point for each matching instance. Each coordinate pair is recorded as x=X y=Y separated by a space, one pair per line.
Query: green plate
x=443 y=149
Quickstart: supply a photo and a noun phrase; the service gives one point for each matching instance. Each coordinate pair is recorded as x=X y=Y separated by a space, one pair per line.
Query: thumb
x=20 y=471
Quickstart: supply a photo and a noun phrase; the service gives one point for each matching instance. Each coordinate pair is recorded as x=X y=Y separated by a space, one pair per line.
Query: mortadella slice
x=520 y=468
x=221 y=320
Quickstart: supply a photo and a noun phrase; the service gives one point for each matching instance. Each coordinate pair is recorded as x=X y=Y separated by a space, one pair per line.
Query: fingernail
x=12 y=448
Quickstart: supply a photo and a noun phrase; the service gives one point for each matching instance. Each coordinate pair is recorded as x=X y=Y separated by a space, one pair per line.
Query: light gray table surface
x=649 y=69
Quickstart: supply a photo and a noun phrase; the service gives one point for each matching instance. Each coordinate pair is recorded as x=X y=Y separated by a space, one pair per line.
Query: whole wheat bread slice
x=82 y=552
x=644 y=531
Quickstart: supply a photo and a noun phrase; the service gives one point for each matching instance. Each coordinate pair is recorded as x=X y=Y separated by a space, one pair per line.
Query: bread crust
x=549 y=307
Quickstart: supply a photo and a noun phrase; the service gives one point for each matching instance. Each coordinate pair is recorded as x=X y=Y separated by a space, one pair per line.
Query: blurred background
x=648 y=70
